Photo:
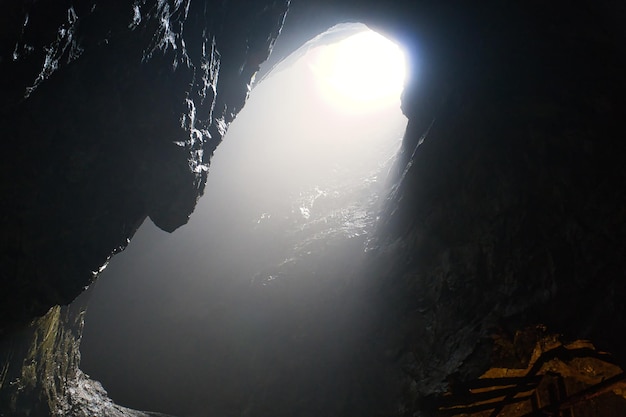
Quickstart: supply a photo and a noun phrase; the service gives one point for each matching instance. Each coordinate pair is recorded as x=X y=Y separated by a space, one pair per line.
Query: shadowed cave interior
x=493 y=280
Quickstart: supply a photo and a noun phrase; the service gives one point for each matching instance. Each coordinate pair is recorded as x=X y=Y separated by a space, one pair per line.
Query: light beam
x=362 y=73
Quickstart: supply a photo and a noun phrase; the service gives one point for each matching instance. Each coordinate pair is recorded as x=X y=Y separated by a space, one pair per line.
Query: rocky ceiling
x=509 y=212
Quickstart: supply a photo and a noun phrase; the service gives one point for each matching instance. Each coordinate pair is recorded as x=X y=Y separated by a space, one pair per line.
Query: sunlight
x=291 y=206
x=361 y=73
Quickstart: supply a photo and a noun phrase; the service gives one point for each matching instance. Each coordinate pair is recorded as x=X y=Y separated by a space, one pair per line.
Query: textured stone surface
x=39 y=374
x=110 y=113
x=535 y=372
x=509 y=210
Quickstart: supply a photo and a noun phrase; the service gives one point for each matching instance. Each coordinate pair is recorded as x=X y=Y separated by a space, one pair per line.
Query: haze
x=242 y=310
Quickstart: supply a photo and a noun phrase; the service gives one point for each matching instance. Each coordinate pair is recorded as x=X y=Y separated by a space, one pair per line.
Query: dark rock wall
x=110 y=113
x=510 y=206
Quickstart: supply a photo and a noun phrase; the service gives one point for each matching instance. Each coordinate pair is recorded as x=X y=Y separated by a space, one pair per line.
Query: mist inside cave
x=245 y=308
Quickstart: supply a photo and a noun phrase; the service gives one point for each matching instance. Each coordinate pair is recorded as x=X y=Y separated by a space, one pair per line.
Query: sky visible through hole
x=241 y=311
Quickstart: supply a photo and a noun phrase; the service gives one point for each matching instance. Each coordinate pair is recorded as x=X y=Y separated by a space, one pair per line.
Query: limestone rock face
x=39 y=373
x=110 y=113
x=509 y=209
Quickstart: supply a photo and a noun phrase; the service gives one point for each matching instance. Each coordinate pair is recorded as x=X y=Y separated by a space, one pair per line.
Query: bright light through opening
x=363 y=72
x=292 y=198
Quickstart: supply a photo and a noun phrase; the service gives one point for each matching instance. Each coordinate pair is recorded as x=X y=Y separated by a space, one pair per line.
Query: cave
x=247 y=303
x=493 y=283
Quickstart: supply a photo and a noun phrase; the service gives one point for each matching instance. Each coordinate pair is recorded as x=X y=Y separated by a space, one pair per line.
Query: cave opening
x=249 y=308
x=496 y=282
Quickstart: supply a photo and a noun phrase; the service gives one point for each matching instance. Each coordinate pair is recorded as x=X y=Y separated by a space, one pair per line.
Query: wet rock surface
x=40 y=374
x=110 y=114
x=509 y=210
